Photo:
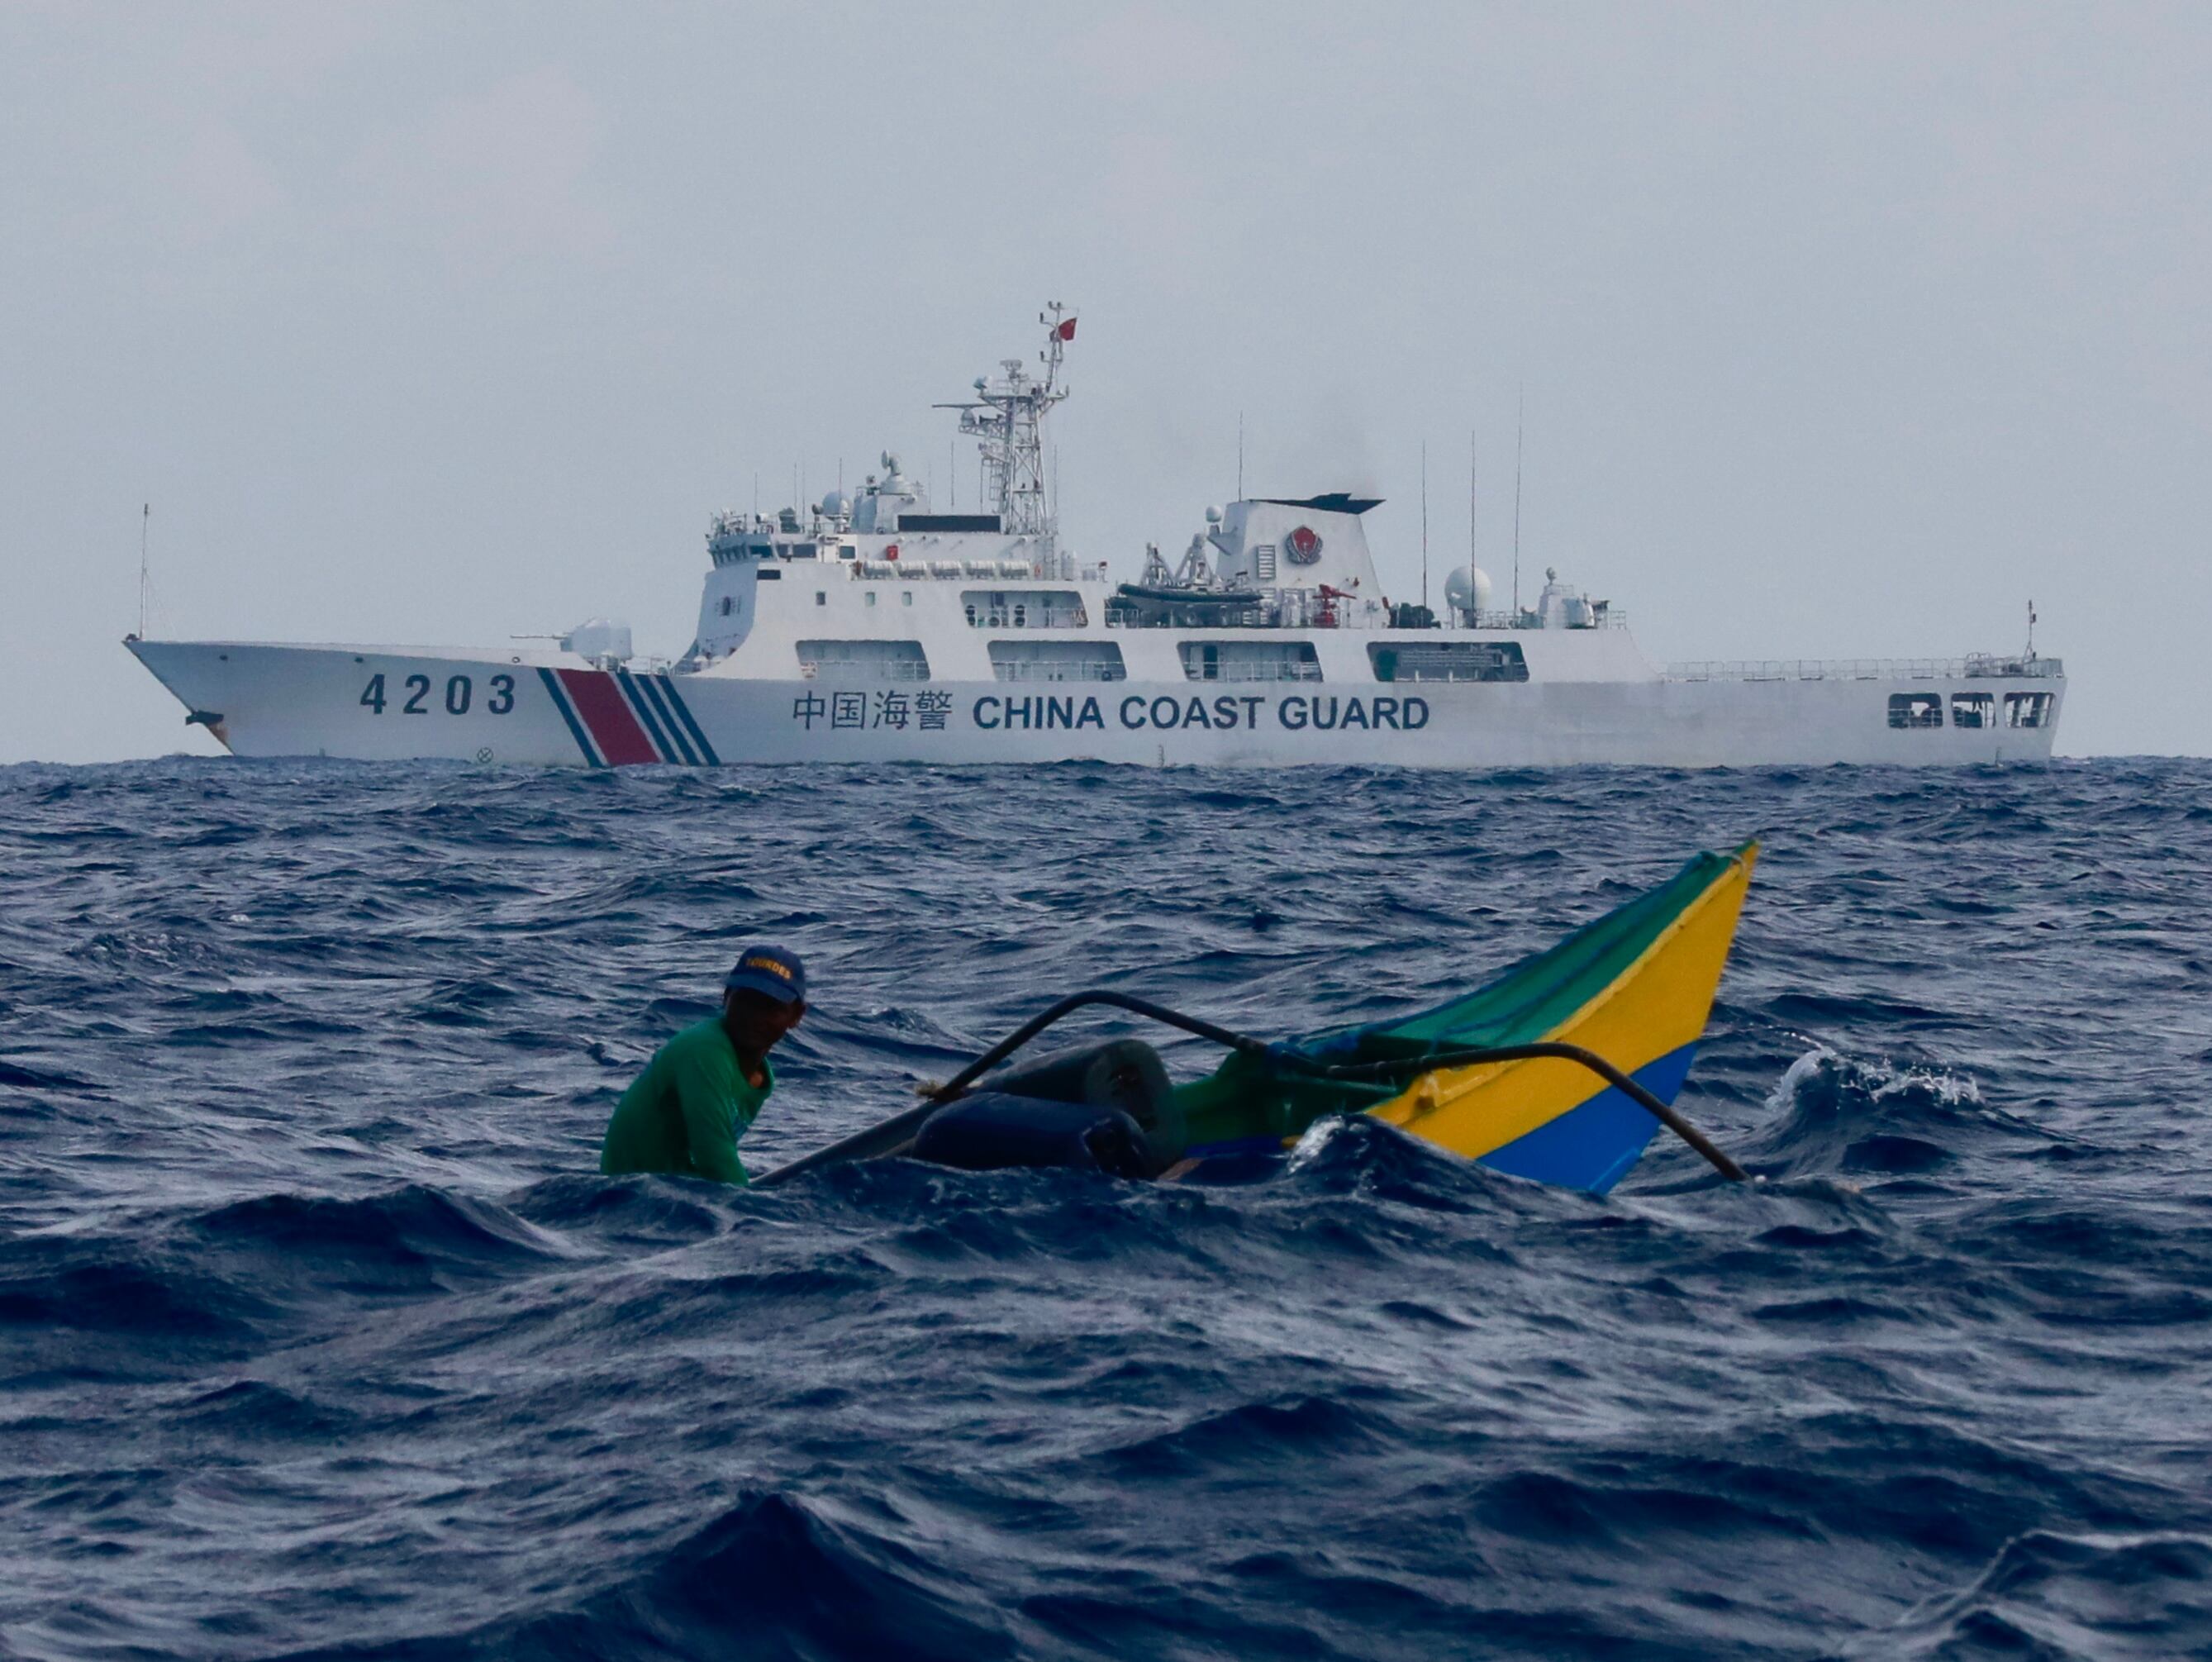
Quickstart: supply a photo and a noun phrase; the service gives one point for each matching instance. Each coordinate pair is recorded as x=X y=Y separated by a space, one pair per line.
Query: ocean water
x=320 y=1335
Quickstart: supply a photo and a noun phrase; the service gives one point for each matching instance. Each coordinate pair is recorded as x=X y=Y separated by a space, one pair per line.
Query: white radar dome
x=836 y=505
x=1468 y=588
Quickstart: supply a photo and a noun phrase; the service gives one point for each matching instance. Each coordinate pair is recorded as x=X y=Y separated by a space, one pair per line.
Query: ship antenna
x=1425 y=525
x=1519 y=407
x=1474 y=617
x=1006 y=417
x=146 y=576
x=2031 y=631
x=1239 y=455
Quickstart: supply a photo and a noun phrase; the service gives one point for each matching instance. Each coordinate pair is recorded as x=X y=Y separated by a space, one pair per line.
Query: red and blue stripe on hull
x=619 y=720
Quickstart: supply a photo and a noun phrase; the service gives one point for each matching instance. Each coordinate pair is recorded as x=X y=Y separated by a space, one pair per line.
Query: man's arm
x=707 y=1090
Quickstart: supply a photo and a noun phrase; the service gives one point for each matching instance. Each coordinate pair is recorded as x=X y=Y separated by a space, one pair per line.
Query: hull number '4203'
x=413 y=697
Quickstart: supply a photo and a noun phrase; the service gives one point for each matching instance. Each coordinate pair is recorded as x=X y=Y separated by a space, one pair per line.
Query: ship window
x=2027 y=710
x=728 y=606
x=1023 y=608
x=1973 y=709
x=1250 y=660
x=1916 y=709
x=906 y=597
x=870 y=597
x=1057 y=660
x=822 y=597
x=1449 y=660
x=863 y=660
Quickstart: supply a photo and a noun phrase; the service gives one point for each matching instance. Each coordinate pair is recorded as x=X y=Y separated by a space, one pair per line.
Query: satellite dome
x=836 y=505
x=1468 y=588
x=1213 y=516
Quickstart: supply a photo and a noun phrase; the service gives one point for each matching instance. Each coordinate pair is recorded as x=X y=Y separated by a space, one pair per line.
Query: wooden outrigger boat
x=1560 y=1070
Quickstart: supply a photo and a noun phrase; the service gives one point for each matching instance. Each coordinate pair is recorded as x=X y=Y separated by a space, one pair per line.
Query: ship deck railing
x=1975 y=665
x=1094 y=669
x=864 y=669
x=1256 y=673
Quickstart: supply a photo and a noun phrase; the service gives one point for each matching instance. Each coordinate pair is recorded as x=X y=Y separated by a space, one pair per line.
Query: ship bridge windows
x=1057 y=660
x=1916 y=709
x=1023 y=608
x=1250 y=660
x=2027 y=710
x=1973 y=709
x=1449 y=660
x=863 y=660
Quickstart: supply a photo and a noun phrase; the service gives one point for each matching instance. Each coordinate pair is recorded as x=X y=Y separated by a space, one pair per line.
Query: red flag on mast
x=1066 y=331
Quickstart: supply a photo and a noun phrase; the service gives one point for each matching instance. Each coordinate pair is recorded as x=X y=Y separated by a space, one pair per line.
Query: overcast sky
x=1843 y=330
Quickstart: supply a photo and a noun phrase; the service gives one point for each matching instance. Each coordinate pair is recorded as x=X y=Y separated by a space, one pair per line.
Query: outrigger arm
x=892 y=1133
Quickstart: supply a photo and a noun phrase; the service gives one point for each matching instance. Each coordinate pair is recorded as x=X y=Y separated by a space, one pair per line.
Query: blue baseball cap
x=768 y=970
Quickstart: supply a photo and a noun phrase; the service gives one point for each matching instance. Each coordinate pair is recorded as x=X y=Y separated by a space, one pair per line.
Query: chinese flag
x=1067 y=330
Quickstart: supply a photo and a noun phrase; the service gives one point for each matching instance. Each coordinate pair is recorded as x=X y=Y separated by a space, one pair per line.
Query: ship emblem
x=1303 y=545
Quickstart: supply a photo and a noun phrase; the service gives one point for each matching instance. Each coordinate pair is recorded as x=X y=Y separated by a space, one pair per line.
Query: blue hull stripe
x=561 y=703
x=1593 y=1145
x=651 y=694
x=654 y=696
x=643 y=711
x=684 y=715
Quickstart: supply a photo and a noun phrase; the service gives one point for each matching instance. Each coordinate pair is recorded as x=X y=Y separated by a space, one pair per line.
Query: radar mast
x=1006 y=418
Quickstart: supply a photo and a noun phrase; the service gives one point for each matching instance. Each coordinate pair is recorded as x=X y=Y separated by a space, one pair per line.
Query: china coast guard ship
x=876 y=629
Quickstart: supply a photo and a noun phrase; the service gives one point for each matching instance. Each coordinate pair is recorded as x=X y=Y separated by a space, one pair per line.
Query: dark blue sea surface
x=319 y=1334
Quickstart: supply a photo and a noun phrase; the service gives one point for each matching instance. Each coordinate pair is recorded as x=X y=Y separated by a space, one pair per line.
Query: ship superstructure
x=875 y=627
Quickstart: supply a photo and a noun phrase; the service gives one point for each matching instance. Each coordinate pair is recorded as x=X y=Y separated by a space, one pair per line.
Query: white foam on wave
x=1879 y=1077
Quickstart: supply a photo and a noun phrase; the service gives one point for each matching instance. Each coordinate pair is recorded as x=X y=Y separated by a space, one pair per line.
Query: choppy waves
x=322 y=1337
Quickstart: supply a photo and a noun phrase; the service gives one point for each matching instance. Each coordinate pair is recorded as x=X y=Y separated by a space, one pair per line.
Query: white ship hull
x=553 y=710
x=873 y=628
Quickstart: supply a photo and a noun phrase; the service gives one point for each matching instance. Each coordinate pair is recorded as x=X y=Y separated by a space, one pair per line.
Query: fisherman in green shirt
x=699 y=1092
